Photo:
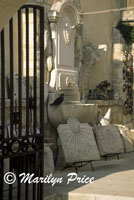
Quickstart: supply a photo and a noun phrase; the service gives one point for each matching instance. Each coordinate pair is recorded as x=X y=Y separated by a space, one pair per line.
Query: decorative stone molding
x=53 y=16
x=69 y=7
x=64 y=21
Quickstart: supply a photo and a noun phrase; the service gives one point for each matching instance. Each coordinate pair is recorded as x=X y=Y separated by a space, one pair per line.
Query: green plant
x=127 y=31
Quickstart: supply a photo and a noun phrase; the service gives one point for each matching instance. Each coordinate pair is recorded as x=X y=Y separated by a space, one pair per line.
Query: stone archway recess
x=7 y=10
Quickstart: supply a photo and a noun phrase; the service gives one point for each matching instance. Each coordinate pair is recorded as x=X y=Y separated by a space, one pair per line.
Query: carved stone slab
x=109 y=140
x=128 y=143
x=78 y=142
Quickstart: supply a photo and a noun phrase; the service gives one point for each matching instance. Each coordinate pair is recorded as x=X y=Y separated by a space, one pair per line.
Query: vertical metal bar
x=10 y=186
x=42 y=93
x=3 y=83
x=35 y=70
x=27 y=71
x=11 y=75
x=35 y=172
x=27 y=186
x=19 y=184
x=20 y=69
x=42 y=72
x=40 y=174
x=35 y=96
x=1 y=178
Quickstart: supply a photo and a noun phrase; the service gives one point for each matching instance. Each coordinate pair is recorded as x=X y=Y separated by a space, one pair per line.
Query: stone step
x=81 y=196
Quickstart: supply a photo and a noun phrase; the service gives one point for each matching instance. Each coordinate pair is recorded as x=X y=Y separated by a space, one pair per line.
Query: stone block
x=60 y=162
x=78 y=141
x=126 y=119
x=127 y=141
x=109 y=140
x=48 y=161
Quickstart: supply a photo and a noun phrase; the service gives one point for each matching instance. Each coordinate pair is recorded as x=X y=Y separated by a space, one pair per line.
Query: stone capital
x=53 y=16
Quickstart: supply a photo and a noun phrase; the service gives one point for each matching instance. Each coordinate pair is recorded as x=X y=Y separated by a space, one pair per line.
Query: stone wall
x=93 y=52
x=117 y=114
x=97 y=29
x=7 y=10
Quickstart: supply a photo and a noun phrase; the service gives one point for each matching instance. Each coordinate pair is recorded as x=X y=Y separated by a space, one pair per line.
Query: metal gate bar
x=11 y=75
x=41 y=94
x=35 y=71
x=23 y=151
x=2 y=84
x=20 y=69
x=27 y=71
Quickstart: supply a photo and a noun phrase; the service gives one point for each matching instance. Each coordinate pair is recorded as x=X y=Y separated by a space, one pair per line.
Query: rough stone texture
x=85 y=113
x=117 y=64
x=77 y=141
x=60 y=162
x=102 y=24
x=128 y=15
x=116 y=109
x=48 y=161
x=109 y=140
x=91 y=56
x=128 y=143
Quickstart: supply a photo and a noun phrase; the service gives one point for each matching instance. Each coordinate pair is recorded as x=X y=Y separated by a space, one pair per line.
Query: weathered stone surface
x=77 y=141
x=109 y=140
x=132 y=135
x=128 y=143
x=60 y=158
x=48 y=161
x=85 y=113
x=91 y=56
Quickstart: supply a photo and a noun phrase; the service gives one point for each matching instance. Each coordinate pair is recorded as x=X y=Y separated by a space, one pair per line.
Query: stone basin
x=85 y=113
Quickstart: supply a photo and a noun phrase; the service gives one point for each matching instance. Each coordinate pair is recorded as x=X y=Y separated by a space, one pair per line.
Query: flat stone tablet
x=78 y=141
x=127 y=140
x=109 y=140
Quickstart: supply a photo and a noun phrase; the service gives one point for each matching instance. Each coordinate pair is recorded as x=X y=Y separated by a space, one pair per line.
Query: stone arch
x=67 y=7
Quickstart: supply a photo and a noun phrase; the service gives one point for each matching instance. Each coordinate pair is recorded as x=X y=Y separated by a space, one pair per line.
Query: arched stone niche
x=64 y=20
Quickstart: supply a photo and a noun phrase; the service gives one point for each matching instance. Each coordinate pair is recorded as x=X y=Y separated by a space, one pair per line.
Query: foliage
x=127 y=31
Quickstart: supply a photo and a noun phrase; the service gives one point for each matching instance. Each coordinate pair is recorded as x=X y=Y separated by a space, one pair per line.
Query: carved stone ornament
x=78 y=142
x=67 y=30
x=109 y=140
x=64 y=20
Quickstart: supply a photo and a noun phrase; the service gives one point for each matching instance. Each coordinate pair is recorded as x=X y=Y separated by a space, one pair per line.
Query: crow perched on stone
x=58 y=101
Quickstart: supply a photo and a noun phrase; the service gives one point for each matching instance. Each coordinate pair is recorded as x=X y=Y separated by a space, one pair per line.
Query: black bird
x=58 y=101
